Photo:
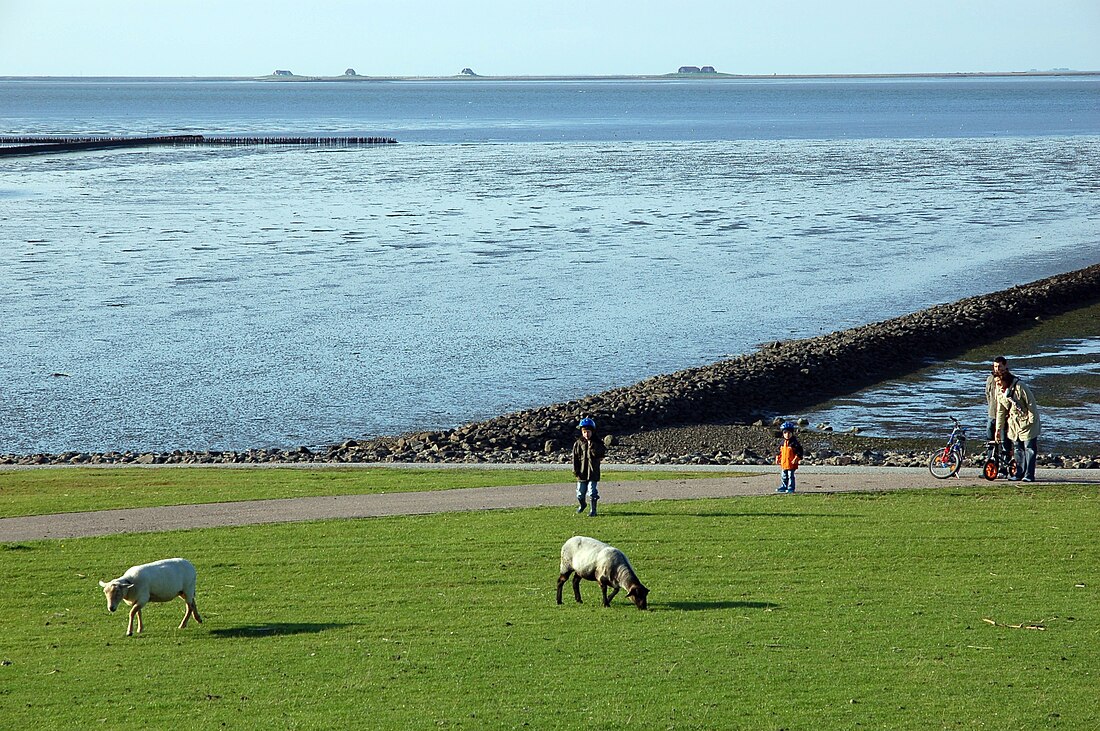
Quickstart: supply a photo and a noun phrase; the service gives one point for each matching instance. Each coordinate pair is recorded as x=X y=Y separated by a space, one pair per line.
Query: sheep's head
x=115 y=591
x=638 y=594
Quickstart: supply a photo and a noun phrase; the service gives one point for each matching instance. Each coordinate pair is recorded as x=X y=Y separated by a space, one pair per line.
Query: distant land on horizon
x=473 y=77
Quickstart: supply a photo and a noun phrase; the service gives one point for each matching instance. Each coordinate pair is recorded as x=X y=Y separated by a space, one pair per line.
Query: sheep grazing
x=160 y=581
x=587 y=558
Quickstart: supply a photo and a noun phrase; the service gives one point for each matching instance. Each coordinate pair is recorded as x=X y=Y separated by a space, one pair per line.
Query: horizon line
x=564 y=77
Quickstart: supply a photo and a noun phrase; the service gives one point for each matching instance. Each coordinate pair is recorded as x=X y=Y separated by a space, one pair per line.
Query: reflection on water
x=1064 y=374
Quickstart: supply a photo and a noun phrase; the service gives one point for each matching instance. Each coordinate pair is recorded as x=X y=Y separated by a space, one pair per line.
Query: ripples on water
x=214 y=298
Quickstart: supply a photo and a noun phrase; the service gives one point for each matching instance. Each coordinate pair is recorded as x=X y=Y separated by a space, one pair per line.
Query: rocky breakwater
x=782 y=377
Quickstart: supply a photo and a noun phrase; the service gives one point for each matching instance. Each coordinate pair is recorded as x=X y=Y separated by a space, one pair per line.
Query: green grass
x=71 y=490
x=807 y=612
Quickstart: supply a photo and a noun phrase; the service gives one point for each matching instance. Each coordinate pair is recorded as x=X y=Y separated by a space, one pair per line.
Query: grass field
x=964 y=608
x=46 y=491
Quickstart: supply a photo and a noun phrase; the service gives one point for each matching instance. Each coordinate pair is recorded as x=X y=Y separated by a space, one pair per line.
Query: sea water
x=524 y=243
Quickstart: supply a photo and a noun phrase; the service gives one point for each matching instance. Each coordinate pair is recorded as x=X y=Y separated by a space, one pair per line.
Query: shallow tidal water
x=229 y=298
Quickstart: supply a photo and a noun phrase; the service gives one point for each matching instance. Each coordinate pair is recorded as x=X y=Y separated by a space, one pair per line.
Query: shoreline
x=700 y=446
x=723 y=413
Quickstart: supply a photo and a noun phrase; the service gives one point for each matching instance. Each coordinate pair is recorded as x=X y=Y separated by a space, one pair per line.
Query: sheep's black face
x=639 y=595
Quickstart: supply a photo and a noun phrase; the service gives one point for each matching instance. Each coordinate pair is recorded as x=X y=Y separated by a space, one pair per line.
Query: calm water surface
x=524 y=244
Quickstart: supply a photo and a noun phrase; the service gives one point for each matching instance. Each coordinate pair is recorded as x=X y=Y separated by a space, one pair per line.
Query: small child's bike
x=947 y=461
x=997 y=462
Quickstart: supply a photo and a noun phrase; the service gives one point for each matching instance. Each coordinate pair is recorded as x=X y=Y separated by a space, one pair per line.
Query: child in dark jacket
x=588 y=452
x=790 y=455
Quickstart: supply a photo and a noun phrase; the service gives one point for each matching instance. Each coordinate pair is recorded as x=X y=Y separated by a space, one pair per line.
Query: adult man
x=1000 y=367
x=1018 y=418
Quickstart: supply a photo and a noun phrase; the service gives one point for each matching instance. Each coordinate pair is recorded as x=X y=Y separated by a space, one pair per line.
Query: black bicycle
x=997 y=462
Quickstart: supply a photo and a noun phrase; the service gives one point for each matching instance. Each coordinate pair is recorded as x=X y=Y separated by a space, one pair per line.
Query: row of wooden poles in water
x=33 y=145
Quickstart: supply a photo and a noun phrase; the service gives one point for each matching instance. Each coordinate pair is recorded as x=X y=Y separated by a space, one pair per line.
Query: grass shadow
x=278 y=628
x=704 y=606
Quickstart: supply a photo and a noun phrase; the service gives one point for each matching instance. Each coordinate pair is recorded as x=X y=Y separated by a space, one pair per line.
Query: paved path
x=215 y=515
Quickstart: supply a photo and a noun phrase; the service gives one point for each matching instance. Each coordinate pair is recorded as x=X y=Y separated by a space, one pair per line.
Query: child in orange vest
x=790 y=455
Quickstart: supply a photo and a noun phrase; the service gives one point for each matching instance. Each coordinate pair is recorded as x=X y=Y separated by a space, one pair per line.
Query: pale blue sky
x=564 y=37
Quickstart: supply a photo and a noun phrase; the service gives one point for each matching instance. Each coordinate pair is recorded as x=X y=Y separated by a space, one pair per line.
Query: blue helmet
x=787 y=426
x=588 y=422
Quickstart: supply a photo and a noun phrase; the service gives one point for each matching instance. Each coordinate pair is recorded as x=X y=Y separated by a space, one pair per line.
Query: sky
x=563 y=37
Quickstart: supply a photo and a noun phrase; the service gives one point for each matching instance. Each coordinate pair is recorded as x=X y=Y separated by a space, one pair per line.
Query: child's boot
x=583 y=505
x=592 y=512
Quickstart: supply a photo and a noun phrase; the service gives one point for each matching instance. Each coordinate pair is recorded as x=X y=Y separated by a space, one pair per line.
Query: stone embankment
x=780 y=378
x=753 y=446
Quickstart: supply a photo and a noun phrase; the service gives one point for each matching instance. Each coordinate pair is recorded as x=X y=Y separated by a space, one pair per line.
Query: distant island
x=683 y=72
x=696 y=70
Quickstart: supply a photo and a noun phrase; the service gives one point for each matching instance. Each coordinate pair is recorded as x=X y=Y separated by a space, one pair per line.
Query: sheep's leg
x=134 y=611
x=603 y=589
x=577 y=588
x=190 y=611
x=186 y=610
x=562 y=578
x=186 y=614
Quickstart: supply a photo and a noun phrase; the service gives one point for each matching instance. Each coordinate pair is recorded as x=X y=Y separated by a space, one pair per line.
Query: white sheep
x=160 y=581
x=587 y=558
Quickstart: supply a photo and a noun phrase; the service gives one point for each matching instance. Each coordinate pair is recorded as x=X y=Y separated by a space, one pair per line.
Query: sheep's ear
x=103 y=584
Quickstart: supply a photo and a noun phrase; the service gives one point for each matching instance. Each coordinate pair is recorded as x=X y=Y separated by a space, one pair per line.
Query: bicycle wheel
x=989 y=472
x=944 y=463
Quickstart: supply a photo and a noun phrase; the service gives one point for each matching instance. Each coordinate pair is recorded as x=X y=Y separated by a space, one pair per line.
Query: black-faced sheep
x=160 y=581
x=587 y=558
